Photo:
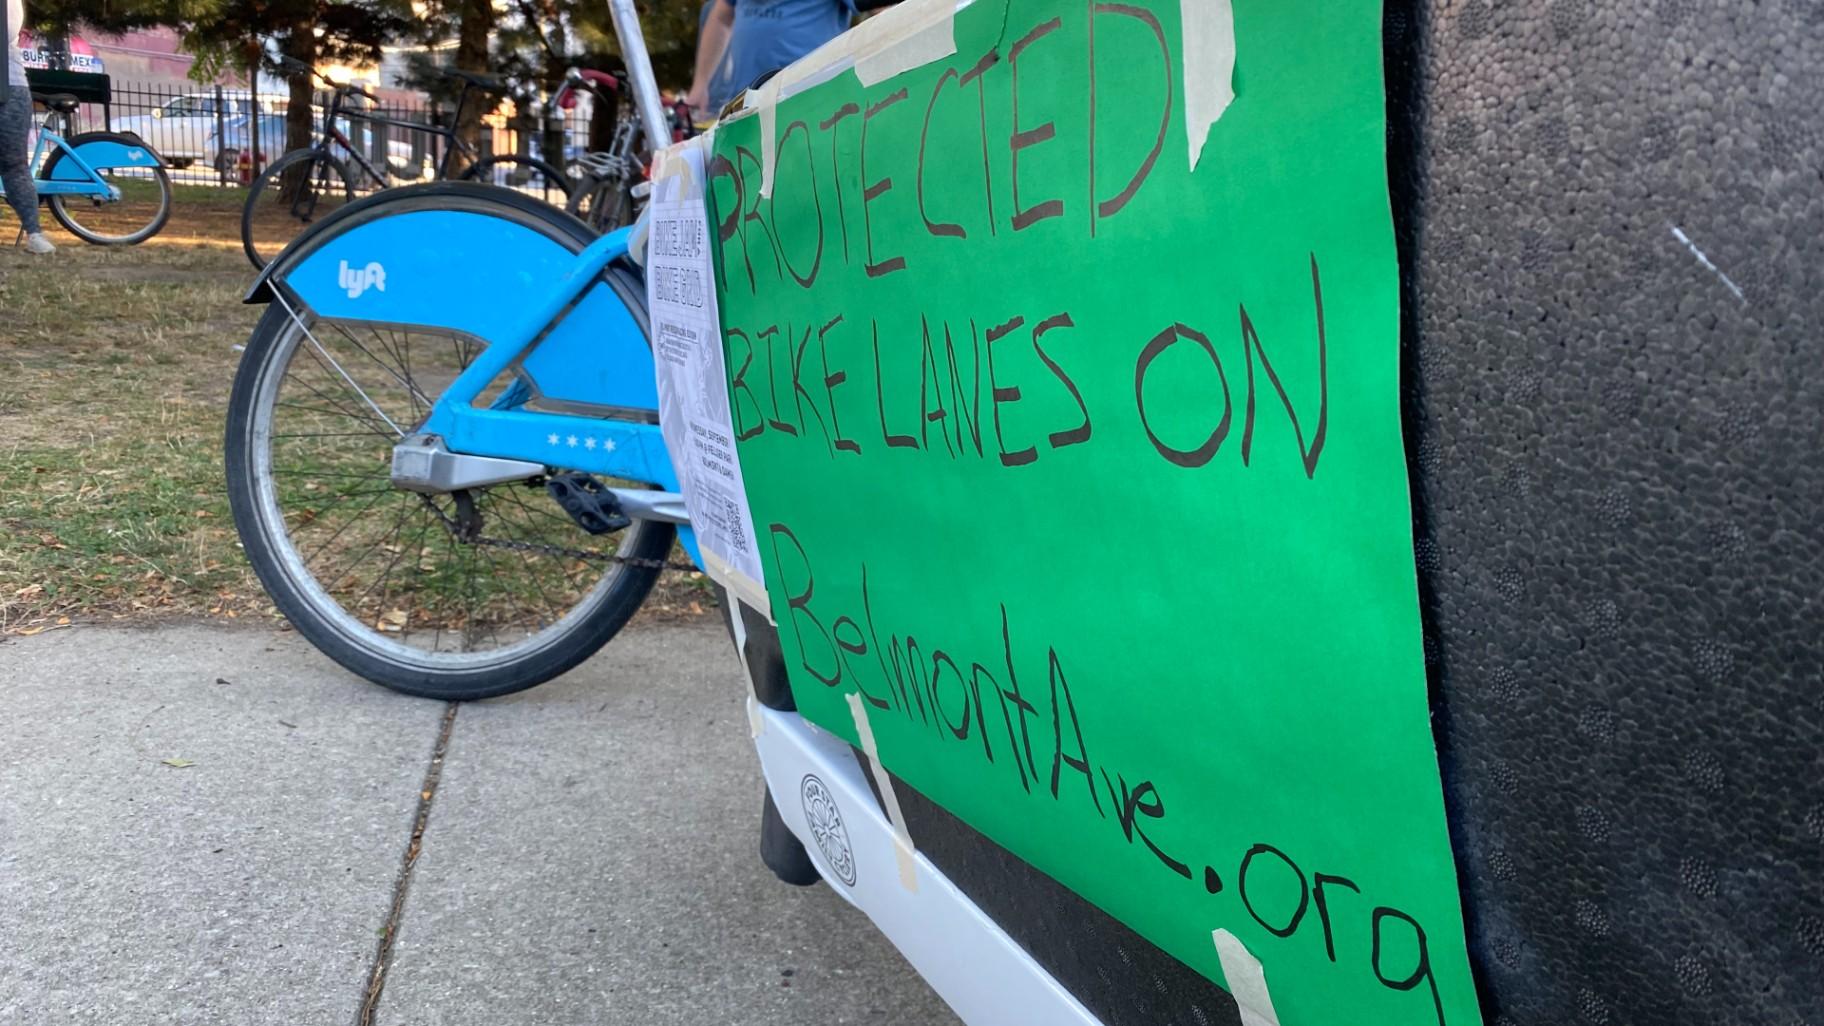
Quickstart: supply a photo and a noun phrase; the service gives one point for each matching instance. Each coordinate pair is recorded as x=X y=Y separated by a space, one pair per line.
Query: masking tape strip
x=929 y=35
x=738 y=584
x=667 y=163
x=902 y=839
x=900 y=38
x=1209 y=68
x=756 y=720
x=1247 y=981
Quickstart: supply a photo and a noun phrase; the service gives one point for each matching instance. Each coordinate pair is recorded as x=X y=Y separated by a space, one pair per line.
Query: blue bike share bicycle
x=104 y=187
x=443 y=451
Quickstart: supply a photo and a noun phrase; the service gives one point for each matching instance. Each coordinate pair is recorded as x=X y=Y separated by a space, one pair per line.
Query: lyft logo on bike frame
x=357 y=279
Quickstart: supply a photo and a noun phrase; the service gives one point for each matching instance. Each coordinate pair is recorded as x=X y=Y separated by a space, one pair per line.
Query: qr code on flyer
x=737 y=538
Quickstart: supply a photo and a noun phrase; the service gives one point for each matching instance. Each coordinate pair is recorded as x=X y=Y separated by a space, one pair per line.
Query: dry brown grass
x=115 y=367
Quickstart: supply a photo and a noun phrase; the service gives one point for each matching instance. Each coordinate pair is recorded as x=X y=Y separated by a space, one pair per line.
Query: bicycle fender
x=460 y=262
x=99 y=154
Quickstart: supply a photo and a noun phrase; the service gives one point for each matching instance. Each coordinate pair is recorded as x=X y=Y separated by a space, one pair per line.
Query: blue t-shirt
x=768 y=35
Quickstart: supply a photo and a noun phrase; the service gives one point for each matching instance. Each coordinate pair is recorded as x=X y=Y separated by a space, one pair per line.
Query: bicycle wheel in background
x=142 y=209
x=296 y=191
x=604 y=203
x=528 y=176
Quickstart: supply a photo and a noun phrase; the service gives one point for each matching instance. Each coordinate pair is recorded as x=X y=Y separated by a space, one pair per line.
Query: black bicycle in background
x=609 y=183
x=307 y=185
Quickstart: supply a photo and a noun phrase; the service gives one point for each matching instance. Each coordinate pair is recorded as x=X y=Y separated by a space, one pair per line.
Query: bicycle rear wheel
x=140 y=207
x=527 y=176
x=296 y=191
x=460 y=595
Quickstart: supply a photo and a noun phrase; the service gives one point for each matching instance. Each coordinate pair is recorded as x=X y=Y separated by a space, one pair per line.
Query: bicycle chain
x=449 y=524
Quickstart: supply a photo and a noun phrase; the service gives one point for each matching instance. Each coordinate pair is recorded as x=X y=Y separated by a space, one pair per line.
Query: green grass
x=113 y=375
x=115 y=367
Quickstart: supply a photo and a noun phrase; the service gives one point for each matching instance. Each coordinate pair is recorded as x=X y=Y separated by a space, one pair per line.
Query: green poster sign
x=1083 y=468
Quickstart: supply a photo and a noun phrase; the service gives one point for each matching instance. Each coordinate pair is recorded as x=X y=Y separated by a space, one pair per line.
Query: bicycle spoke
x=509 y=568
x=355 y=562
x=543 y=594
x=410 y=388
x=344 y=411
x=386 y=573
x=353 y=517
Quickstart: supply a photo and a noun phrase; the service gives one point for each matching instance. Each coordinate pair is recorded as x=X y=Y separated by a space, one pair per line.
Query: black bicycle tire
x=314 y=154
x=479 y=172
x=563 y=653
x=74 y=227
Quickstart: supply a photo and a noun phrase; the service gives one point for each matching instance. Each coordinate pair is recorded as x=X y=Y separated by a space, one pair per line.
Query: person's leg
x=15 y=172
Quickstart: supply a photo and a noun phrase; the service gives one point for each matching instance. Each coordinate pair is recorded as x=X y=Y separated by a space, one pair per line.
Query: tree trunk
x=551 y=136
x=300 y=44
x=472 y=55
x=251 y=55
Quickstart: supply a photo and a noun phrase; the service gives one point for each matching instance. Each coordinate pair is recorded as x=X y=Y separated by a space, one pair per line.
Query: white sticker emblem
x=357 y=279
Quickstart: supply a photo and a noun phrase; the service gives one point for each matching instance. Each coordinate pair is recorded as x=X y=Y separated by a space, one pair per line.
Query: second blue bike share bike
x=443 y=451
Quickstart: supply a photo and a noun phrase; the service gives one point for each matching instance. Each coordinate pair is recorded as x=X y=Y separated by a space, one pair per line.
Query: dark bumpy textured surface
x=1617 y=452
x=1616 y=461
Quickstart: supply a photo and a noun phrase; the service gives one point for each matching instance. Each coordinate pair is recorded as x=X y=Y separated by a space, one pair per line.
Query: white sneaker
x=37 y=244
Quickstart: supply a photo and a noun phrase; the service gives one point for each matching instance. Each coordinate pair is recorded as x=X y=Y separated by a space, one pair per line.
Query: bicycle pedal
x=592 y=506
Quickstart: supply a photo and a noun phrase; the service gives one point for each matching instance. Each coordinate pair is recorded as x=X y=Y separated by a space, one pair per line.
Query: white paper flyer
x=694 y=411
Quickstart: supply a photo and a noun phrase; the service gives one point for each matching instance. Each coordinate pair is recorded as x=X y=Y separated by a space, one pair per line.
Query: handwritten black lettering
x=738 y=387
x=974 y=74
x=946 y=228
x=799 y=396
x=1318 y=881
x=799 y=606
x=810 y=163
x=1143 y=800
x=1060 y=758
x=1251 y=348
x=871 y=191
x=829 y=125
x=1161 y=342
x=867 y=613
x=1304 y=890
x=830 y=381
x=893 y=440
x=931 y=399
x=721 y=169
x=940 y=660
x=1026 y=217
x=769 y=334
x=1022 y=708
x=857 y=647
x=1080 y=433
x=752 y=214
x=1420 y=972
x=997 y=396
x=968 y=411
x=1112 y=206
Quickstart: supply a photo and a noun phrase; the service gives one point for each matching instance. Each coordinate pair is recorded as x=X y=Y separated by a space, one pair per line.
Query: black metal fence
x=223 y=135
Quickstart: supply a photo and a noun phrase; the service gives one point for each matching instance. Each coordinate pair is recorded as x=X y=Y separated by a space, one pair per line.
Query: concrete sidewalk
x=590 y=854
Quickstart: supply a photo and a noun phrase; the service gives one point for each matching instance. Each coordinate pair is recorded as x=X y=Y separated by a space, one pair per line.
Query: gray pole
x=221 y=168
x=639 y=73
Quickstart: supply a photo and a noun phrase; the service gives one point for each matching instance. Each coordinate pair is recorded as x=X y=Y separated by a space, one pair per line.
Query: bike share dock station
x=1184 y=570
